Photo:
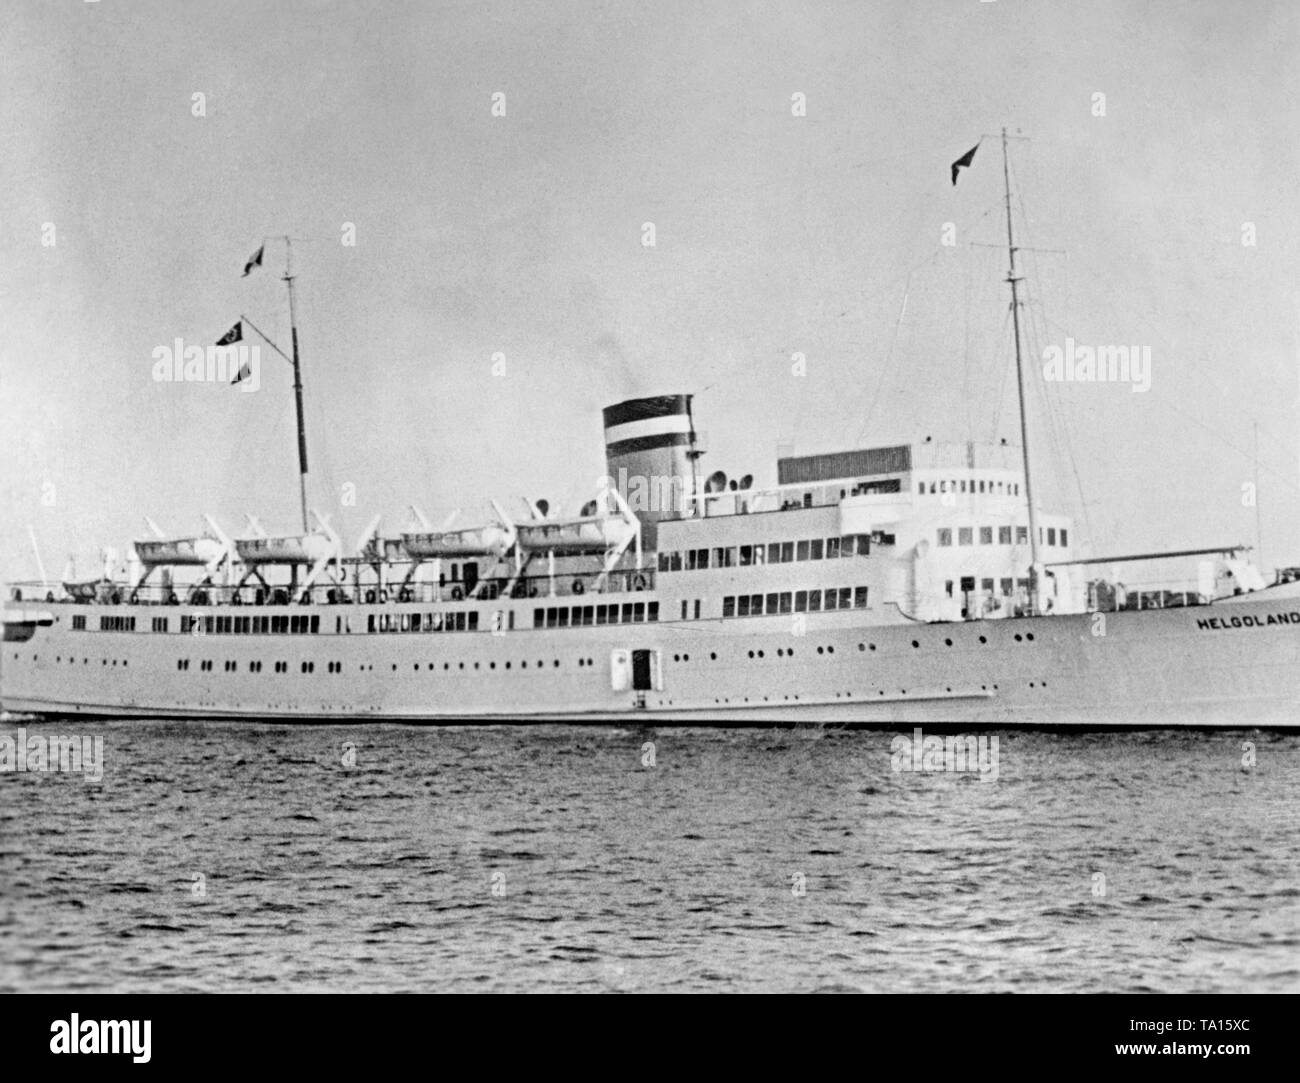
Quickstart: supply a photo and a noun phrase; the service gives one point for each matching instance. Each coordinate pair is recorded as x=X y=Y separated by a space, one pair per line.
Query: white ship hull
x=1232 y=664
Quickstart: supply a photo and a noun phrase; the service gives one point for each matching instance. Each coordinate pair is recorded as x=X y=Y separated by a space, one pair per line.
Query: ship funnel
x=650 y=458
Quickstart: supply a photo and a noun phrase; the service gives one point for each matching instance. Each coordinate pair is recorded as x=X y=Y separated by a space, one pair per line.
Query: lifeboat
x=472 y=542
x=286 y=548
x=572 y=537
x=156 y=552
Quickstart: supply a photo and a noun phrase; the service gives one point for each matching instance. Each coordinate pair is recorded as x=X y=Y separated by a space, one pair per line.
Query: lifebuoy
x=135 y=597
x=532 y=592
x=404 y=595
x=370 y=597
x=383 y=594
x=638 y=582
x=332 y=596
x=236 y=599
x=578 y=587
x=172 y=599
x=457 y=594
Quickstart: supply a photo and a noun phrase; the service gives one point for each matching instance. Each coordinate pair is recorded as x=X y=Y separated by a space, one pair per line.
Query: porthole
x=947 y=642
x=713 y=656
x=1029 y=636
x=983 y=639
x=915 y=643
x=1018 y=637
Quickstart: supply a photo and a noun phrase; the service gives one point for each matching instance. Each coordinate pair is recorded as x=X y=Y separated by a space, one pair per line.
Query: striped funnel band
x=639 y=424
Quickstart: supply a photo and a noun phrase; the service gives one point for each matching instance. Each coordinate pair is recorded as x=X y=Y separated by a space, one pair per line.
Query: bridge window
x=1051 y=535
x=814 y=601
x=859 y=597
x=801 y=550
x=742 y=606
x=832 y=548
x=729 y=606
x=815 y=549
x=965 y=535
x=1022 y=535
x=746 y=555
x=787 y=552
x=986 y=535
x=945 y=536
x=1004 y=586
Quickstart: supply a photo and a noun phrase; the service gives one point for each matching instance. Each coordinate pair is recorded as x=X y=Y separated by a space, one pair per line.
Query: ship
x=916 y=584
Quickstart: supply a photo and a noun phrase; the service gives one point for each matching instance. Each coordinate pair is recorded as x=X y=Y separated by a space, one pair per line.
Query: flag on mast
x=255 y=260
x=235 y=334
x=960 y=164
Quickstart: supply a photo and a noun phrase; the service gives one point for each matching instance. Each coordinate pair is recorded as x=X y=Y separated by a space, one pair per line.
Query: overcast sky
x=522 y=235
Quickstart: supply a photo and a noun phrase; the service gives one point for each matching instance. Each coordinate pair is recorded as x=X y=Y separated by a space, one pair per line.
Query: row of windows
x=1009 y=488
x=966 y=535
x=460 y=621
x=582 y=615
x=296 y=624
x=115 y=624
x=206 y=665
x=1006 y=587
x=798 y=601
x=744 y=556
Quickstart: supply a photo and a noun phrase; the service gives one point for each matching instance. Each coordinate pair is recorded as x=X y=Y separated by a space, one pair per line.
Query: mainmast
x=1015 y=280
x=297 y=385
